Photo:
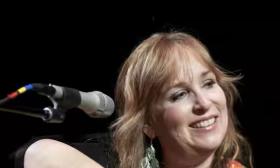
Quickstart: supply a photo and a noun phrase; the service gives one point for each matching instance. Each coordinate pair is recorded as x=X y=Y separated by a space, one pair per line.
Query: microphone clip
x=53 y=115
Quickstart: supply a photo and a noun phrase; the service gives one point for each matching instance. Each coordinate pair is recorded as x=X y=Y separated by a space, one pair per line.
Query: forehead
x=186 y=65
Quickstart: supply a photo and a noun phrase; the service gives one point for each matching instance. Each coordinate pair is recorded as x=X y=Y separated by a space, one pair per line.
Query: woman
x=176 y=109
x=170 y=90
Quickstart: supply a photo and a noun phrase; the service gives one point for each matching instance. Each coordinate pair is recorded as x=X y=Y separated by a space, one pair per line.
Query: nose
x=201 y=104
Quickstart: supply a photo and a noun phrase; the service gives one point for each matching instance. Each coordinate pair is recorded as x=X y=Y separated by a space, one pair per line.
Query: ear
x=149 y=131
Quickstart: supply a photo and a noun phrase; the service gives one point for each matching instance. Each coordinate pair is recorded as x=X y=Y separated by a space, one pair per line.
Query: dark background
x=84 y=49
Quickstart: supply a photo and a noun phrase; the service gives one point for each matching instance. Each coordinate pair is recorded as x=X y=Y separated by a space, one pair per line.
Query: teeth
x=204 y=123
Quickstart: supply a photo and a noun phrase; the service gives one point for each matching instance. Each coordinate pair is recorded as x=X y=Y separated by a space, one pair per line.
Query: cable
x=14 y=94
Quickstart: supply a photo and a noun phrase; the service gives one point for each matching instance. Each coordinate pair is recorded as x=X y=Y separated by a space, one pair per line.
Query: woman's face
x=191 y=115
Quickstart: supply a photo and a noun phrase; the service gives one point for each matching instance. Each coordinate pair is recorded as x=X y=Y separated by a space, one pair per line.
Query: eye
x=209 y=83
x=178 y=95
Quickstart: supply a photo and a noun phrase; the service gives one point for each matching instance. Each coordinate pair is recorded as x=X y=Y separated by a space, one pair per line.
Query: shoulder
x=51 y=153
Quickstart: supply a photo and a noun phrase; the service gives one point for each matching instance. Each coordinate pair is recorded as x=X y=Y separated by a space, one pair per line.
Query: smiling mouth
x=204 y=123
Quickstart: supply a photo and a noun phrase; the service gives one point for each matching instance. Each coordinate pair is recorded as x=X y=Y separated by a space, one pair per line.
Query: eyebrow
x=182 y=83
x=205 y=73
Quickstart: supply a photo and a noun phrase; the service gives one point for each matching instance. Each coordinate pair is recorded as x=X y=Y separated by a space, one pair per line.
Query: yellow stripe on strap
x=21 y=90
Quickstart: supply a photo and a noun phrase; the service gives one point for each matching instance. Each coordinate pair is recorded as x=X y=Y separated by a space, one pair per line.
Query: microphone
x=95 y=104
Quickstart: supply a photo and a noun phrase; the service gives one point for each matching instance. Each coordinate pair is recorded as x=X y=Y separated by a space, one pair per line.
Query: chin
x=211 y=144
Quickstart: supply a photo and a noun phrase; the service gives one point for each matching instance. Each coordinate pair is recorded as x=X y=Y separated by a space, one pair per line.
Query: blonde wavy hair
x=152 y=66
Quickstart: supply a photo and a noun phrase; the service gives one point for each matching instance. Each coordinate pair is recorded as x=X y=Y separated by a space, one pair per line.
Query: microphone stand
x=49 y=115
x=30 y=114
x=55 y=114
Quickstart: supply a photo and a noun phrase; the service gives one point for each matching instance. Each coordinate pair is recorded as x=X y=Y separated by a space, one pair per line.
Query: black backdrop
x=84 y=50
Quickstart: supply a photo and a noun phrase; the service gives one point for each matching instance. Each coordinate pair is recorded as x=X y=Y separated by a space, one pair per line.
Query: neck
x=183 y=161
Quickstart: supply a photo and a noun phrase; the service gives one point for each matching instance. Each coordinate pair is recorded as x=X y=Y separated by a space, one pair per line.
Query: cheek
x=174 y=116
x=218 y=97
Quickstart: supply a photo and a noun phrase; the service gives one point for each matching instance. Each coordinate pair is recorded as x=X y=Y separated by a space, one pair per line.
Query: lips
x=204 y=123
